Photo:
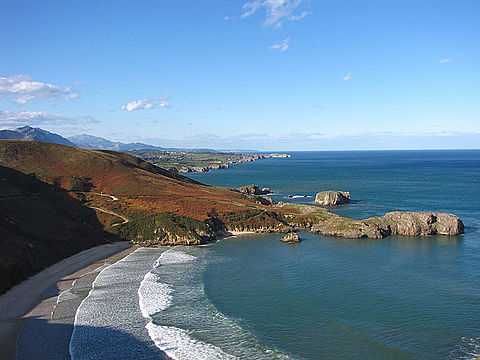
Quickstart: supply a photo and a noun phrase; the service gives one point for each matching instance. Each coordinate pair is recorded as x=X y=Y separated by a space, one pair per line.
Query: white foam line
x=178 y=345
x=90 y=293
x=100 y=268
x=175 y=342
x=151 y=289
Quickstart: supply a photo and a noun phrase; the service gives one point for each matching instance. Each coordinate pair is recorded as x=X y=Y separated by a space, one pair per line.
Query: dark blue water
x=329 y=298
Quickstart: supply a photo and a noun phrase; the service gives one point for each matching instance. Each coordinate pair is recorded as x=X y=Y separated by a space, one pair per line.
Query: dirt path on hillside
x=125 y=220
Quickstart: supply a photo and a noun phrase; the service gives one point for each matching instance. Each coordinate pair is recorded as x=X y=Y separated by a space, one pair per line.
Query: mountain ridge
x=34 y=134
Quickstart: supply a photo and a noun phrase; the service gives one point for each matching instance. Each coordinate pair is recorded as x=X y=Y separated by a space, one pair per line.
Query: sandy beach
x=30 y=310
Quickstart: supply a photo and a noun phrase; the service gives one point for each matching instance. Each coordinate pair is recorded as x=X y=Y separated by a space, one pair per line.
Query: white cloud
x=445 y=61
x=276 y=11
x=11 y=118
x=146 y=104
x=347 y=77
x=300 y=16
x=24 y=90
x=226 y=18
x=283 y=46
x=71 y=97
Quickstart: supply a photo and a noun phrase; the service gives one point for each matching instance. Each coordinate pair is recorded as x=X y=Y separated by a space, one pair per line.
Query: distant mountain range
x=95 y=142
x=34 y=134
x=82 y=141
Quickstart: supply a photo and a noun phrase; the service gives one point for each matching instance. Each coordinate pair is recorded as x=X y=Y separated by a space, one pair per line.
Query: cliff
x=332 y=198
x=400 y=223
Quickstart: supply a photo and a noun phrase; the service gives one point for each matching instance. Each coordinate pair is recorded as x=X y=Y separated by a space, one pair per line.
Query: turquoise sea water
x=327 y=298
x=253 y=297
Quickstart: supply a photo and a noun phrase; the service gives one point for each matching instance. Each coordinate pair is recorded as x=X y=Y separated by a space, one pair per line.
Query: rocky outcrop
x=253 y=190
x=332 y=198
x=399 y=223
x=291 y=237
x=422 y=223
x=264 y=200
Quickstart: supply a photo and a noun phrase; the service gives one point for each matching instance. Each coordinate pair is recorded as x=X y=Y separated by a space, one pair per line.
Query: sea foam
x=174 y=257
x=177 y=344
x=155 y=296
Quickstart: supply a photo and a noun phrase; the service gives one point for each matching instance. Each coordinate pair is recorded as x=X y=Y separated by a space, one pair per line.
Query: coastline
x=229 y=234
x=188 y=162
x=36 y=298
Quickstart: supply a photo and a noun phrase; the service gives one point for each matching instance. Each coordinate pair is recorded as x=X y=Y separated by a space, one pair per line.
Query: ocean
x=253 y=297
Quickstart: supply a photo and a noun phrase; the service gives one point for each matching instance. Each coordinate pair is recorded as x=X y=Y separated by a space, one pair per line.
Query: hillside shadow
x=40 y=339
x=41 y=224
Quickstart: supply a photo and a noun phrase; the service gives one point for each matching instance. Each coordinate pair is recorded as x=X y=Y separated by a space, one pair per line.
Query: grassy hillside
x=138 y=185
x=39 y=225
x=161 y=207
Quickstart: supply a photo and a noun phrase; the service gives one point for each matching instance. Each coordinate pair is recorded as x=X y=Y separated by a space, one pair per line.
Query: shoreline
x=229 y=234
x=37 y=297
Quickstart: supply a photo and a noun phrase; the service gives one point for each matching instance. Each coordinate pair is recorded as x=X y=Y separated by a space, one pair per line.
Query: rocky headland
x=188 y=161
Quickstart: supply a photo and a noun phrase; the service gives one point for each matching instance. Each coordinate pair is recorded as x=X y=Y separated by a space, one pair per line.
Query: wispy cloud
x=12 y=118
x=445 y=61
x=276 y=11
x=71 y=97
x=282 y=46
x=146 y=104
x=23 y=90
x=347 y=77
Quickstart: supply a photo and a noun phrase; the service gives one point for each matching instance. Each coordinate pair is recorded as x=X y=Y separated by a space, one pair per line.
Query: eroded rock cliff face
x=332 y=198
x=423 y=223
x=401 y=223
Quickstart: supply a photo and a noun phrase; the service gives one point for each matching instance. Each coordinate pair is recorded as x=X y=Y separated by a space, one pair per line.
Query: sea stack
x=291 y=237
x=332 y=198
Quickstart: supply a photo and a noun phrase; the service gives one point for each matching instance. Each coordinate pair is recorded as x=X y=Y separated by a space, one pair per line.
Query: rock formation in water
x=393 y=223
x=332 y=198
x=291 y=237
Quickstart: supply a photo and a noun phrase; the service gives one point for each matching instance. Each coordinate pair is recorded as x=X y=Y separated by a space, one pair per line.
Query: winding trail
x=125 y=220
x=106 y=195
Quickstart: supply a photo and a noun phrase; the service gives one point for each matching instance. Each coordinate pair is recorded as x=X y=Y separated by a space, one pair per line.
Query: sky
x=236 y=74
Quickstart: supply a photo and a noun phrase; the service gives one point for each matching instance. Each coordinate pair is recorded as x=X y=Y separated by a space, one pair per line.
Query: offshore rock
x=332 y=198
x=291 y=237
x=423 y=223
x=399 y=223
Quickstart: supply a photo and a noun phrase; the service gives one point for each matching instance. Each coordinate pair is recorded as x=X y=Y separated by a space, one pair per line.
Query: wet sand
x=29 y=308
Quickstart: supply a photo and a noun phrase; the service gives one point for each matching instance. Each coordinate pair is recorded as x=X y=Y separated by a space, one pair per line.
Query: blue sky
x=259 y=74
